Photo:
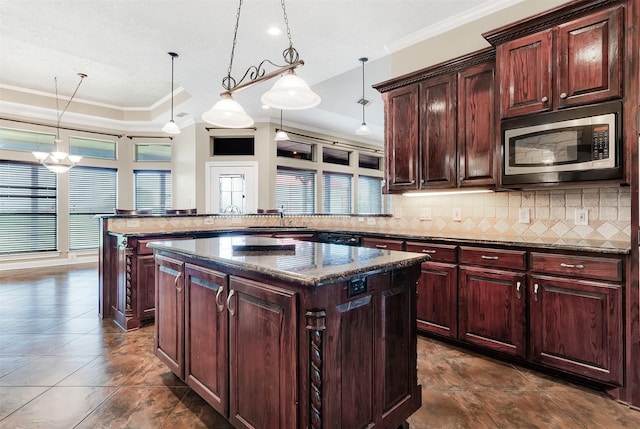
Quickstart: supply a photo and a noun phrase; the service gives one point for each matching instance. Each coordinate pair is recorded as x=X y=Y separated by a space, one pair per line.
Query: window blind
x=336 y=193
x=91 y=191
x=153 y=189
x=296 y=191
x=27 y=208
x=369 y=195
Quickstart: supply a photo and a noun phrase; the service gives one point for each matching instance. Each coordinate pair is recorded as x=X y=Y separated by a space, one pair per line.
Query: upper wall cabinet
x=568 y=64
x=439 y=125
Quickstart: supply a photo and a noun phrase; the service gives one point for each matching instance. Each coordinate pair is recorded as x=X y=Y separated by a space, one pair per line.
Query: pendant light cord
x=228 y=82
x=363 y=60
x=173 y=57
x=82 y=76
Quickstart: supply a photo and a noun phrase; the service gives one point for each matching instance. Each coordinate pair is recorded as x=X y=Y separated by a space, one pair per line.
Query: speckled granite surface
x=312 y=264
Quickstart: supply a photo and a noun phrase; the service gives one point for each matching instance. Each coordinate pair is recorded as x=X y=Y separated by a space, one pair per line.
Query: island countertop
x=310 y=264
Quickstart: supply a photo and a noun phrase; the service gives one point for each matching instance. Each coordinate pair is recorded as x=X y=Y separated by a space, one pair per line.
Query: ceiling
x=122 y=46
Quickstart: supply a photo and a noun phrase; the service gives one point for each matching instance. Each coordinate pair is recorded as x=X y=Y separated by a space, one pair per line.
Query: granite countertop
x=311 y=264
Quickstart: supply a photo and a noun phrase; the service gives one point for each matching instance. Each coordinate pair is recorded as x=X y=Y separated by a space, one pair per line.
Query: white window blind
x=91 y=191
x=153 y=189
x=336 y=193
x=27 y=208
x=369 y=195
x=296 y=191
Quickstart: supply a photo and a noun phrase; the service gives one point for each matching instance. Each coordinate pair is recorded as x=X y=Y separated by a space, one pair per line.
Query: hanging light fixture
x=363 y=130
x=281 y=135
x=290 y=92
x=171 y=127
x=59 y=161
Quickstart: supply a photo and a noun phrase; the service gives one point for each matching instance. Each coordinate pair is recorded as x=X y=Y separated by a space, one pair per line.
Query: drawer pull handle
x=232 y=312
x=518 y=288
x=428 y=251
x=219 y=304
x=535 y=292
x=492 y=258
x=175 y=283
x=578 y=266
x=381 y=246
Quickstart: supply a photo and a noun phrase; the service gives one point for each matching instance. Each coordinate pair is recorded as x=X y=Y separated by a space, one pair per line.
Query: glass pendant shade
x=290 y=92
x=227 y=113
x=281 y=136
x=58 y=161
x=171 y=128
x=363 y=130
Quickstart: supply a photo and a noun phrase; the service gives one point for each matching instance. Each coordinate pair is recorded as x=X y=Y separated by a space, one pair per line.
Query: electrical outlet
x=457 y=214
x=397 y=212
x=361 y=219
x=133 y=223
x=209 y=221
x=425 y=213
x=581 y=217
x=524 y=216
x=371 y=221
x=236 y=219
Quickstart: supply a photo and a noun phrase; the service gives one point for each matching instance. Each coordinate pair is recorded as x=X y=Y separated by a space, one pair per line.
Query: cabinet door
x=437 y=292
x=525 y=67
x=476 y=138
x=146 y=287
x=402 y=139
x=169 y=340
x=576 y=326
x=262 y=355
x=206 y=360
x=492 y=309
x=438 y=132
x=590 y=52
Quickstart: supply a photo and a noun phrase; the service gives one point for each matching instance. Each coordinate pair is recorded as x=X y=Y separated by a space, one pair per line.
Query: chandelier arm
x=229 y=83
x=265 y=76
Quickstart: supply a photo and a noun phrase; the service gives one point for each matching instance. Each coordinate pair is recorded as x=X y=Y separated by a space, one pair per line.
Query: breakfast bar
x=290 y=334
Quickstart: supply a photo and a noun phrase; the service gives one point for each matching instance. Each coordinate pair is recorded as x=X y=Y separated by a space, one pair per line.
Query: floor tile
x=105 y=371
x=14 y=397
x=194 y=413
x=45 y=370
x=444 y=409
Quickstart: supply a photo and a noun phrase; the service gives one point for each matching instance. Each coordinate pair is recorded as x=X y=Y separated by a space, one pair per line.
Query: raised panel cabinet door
x=437 y=301
x=402 y=139
x=262 y=355
x=576 y=326
x=437 y=146
x=491 y=306
x=477 y=154
x=590 y=52
x=206 y=359
x=525 y=69
x=146 y=287
x=169 y=325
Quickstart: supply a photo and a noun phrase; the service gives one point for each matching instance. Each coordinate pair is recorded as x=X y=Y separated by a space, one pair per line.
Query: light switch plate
x=457 y=214
x=524 y=216
x=425 y=213
x=581 y=217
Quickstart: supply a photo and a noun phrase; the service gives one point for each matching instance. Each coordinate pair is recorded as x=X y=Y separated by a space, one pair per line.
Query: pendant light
x=171 y=127
x=281 y=135
x=363 y=130
x=290 y=92
x=59 y=160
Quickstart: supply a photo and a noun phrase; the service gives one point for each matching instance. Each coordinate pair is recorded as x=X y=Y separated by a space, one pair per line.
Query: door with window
x=232 y=187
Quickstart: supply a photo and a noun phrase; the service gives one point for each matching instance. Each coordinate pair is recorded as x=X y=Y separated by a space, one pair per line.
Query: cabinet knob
x=535 y=292
x=232 y=312
x=518 y=288
x=544 y=99
x=563 y=95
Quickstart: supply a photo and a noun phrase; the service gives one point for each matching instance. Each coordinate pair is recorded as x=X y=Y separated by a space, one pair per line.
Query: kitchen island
x=279 y=333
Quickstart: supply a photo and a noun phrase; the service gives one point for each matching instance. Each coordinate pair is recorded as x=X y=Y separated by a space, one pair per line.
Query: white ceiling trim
x=449 y=24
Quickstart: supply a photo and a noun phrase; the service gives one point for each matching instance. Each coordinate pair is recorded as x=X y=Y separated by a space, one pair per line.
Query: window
x=153 y=152
x=231 y=193
x=27 y=208
x=369 y=195
x=153 y=189
x=335 y=156
x=25 y=140
x=90 y=148
x=290 y=149
x=369 y=161
x=91 y=191
x=233 y=146
x=296 y=191
x=336 y=193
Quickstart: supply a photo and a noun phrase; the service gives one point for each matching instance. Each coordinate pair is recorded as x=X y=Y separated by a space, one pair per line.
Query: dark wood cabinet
x=145 y=288
x=169 y=338
x=401 y=134
x=437 y=289
x=206 y=332
x=437 y=144
x=262 y=355
x=576 y=314
x=575 y=63
x=492 y=299
x=382 y=243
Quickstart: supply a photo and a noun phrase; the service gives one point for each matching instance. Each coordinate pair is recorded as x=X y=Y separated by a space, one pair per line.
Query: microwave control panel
x=600 y=142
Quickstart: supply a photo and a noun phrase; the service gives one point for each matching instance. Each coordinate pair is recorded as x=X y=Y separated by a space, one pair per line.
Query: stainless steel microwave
x=578 y=144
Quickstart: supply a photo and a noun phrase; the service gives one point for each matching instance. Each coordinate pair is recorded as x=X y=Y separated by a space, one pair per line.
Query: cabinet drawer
x=496 y=258
x=383 y=243
x=580 y=266
x=438 y=252
x=142 y=247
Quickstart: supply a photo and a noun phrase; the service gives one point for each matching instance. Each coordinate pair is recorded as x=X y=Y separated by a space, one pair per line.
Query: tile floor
x=63 y=367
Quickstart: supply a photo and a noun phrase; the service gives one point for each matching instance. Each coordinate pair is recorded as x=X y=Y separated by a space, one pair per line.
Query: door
x=232 y=187
x=437 y=304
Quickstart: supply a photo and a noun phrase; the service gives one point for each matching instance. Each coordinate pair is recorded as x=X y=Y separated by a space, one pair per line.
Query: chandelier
x=290 y=92
x=58 y=160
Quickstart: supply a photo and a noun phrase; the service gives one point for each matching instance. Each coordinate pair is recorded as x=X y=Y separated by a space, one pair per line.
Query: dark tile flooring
x=63 y=367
